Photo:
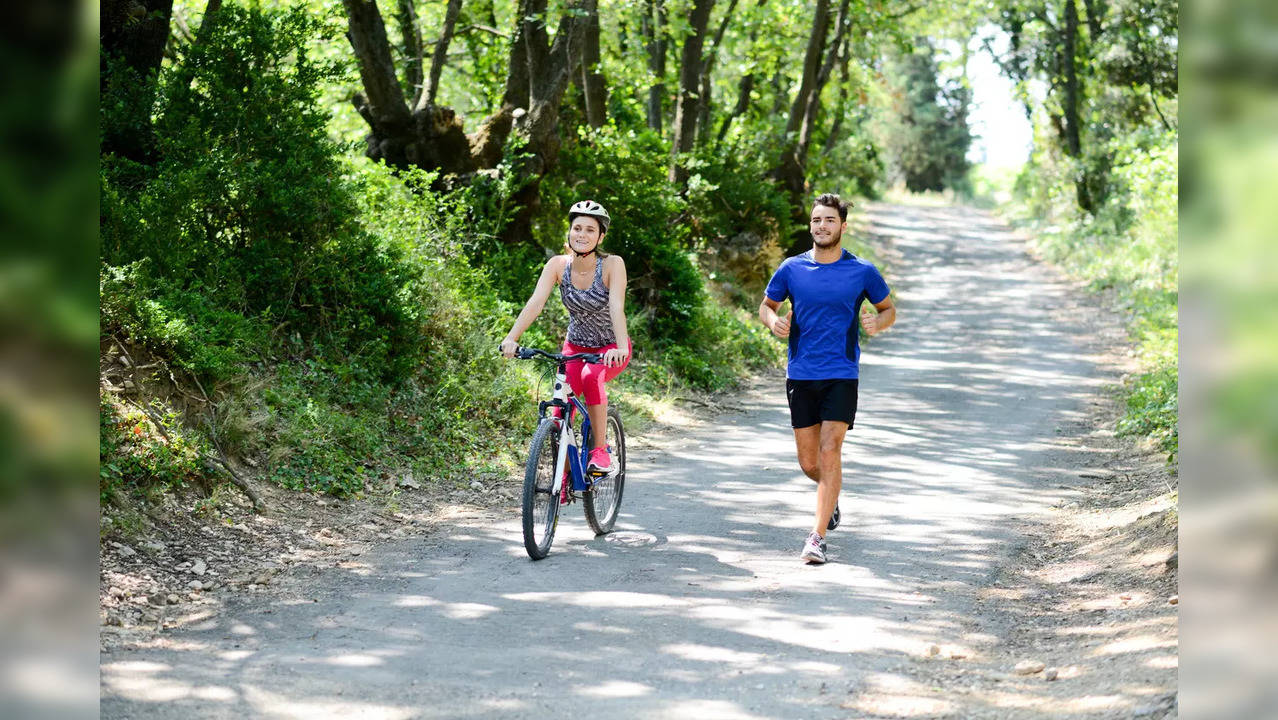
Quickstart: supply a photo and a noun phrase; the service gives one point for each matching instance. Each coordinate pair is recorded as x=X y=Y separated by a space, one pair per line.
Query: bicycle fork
x=569 y=465
x=562 y=458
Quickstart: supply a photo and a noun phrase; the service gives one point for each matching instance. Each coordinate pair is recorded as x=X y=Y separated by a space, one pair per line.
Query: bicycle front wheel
x=540 y=506
x=603 y=498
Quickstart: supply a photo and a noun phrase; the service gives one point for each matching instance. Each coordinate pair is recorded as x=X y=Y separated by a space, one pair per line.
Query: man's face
x=826 y=226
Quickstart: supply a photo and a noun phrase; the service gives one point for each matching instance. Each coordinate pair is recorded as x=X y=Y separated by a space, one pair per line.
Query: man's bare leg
x=830 y=471
x=807 y=441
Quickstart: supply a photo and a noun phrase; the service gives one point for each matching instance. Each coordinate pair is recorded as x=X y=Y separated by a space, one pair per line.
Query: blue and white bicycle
x=557 y=458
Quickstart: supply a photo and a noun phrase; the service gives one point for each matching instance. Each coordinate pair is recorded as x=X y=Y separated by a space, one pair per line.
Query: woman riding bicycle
x=593 y=289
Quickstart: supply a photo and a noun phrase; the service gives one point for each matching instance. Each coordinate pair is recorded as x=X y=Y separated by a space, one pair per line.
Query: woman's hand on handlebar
x=508 y=348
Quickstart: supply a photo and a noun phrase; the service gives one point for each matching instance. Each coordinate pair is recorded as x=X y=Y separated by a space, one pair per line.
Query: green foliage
x=189 y=328
x=135 y=456
x=626 y=171
x=246 y=211
x=1153 y=409
x=927 y=134
x=727 y=341
x=728 y=195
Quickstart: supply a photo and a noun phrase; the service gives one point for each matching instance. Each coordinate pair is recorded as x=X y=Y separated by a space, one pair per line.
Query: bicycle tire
x=539 y=527
x=602 y=501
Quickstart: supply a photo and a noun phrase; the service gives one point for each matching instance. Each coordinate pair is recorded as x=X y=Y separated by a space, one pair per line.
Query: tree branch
x=466 y=29
x=441 y=51
x=412 y=32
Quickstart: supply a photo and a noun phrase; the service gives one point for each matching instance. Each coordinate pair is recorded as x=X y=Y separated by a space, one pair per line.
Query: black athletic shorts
x=812 y=401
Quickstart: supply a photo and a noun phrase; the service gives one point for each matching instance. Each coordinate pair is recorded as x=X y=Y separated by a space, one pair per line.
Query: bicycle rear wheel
x=540 y=506
x=603 y=498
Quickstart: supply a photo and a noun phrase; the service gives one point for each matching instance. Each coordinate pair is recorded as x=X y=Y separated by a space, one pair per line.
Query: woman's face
x=583 y=233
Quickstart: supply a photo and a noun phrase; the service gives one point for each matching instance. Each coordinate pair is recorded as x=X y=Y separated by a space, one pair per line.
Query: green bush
x=246 y=206
x=135 y=456
x=1153 y=409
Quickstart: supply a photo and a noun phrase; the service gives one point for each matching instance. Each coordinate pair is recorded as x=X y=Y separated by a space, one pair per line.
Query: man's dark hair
x=832 y=200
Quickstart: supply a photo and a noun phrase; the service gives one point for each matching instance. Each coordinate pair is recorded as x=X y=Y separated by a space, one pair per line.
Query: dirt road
x=697 y=606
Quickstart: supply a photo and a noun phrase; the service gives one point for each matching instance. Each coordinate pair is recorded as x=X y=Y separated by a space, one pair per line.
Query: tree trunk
x=811 y=65
x=1073 y=141
x=792 y=169
x=703 y=114
x=592 y=80
x=134 y=33
x=685 y=122
x=813 y=104
x=654 y=32
x=486 y=144
x=744 y=88
x=789 y=171
x=548 y=69
x=430 y=137
x=832 y=138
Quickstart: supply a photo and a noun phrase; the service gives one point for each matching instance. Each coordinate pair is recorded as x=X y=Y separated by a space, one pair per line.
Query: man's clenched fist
x=781 y=326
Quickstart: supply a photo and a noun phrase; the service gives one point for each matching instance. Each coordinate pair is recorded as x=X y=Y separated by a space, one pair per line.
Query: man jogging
x=826 y=286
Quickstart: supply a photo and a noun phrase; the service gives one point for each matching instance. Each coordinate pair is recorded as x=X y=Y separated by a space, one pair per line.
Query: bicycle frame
x=576 y=458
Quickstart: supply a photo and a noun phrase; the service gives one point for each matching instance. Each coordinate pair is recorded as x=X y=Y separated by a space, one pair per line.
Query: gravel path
x=697 y=606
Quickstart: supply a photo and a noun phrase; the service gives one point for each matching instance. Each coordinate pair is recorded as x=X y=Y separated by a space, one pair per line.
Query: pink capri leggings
x=587 y=380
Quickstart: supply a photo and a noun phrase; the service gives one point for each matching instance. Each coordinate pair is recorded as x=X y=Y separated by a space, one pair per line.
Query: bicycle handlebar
x=524 y=353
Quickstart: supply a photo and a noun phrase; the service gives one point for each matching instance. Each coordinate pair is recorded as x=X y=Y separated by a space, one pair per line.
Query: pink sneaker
x=600 y=460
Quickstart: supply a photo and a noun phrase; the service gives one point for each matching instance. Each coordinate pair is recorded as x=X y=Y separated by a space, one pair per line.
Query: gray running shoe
x=835 y=517
x=813 y=550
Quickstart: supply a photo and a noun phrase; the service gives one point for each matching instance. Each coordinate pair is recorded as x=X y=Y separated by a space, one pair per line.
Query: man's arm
x=780 y=326
x=875 y=324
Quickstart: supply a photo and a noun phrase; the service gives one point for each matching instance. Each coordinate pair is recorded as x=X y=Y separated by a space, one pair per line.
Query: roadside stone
x=933 y=650
x=173 y=599
x=1051 y=673
x=199 y=567
x=115 y=592
x=477 y=486
x=124 y=550
x=153 y=546
x=195 y=585
x=1029 y=667
x=1173 y=600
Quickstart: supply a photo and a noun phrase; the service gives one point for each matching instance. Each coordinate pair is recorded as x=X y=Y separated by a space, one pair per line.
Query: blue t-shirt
x=826 y=300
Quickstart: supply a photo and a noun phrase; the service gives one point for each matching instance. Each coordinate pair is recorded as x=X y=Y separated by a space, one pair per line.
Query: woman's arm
x=616 y=272
x=534 y=306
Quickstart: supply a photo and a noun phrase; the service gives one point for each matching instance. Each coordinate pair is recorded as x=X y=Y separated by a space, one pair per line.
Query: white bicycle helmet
x=592 y=209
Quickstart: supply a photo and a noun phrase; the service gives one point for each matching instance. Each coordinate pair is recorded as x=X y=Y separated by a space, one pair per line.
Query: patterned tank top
x=589 y=324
